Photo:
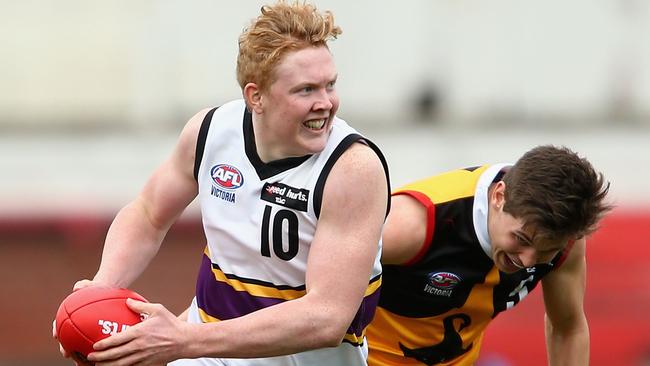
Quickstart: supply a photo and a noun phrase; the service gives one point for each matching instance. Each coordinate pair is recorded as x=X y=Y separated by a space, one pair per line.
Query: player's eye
x=522 y=240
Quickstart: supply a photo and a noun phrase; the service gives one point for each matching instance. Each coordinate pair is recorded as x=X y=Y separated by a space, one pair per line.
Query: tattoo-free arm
x=566 y=328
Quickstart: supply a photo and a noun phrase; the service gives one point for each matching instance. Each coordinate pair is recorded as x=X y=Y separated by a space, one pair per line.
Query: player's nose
x=528 y=257
x=323 y=101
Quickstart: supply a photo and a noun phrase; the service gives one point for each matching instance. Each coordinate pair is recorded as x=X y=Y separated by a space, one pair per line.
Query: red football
x=91 y=314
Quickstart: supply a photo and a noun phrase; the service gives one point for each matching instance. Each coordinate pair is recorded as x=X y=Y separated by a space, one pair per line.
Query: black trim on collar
x=344 y=145
x=200 y=142
x=320 y=183
x=385 y=165
x=265 y=170
x=499 y=176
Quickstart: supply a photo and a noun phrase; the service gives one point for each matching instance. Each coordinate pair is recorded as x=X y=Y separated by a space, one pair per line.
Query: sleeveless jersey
x=434 y=309
x=259 y=221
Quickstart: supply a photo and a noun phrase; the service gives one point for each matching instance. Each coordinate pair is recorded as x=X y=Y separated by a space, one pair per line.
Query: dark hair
x=557 y=192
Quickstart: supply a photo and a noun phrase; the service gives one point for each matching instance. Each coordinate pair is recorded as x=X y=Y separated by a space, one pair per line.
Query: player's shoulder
x=362 y=158
x=450 y=178
x=204 y=118
x=448 y=186
x=361 y=171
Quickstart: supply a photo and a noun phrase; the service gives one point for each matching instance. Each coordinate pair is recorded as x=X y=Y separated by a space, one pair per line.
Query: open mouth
x=315 y=124
x=512 y=264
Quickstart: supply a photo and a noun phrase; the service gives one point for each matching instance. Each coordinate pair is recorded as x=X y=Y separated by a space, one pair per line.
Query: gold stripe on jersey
x=254 y=289
x=271 y=291
x=373 y=286
x=354 y=339
x=257 y=289
x=264 y=291
x=207 y=318
x=447 y=186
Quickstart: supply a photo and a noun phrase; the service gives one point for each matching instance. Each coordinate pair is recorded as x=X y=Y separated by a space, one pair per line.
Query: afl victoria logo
x=443 y=280
x=226 y=176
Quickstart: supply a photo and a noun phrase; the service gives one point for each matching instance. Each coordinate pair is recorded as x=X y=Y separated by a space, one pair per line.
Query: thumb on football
x=143 y=308
x=81 y=284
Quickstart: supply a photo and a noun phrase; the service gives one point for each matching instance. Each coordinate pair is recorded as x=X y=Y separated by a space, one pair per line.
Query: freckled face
x=299 y=106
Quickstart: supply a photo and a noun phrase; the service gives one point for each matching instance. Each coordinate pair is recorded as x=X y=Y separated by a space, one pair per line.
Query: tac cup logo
x=443 y=280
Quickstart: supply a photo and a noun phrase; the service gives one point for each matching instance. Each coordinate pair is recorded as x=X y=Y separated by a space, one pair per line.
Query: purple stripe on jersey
x=221 y=301
x=365 y=314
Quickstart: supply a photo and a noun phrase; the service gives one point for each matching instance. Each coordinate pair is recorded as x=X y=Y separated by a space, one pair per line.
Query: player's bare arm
x=567 y=331
x=340 y=262
x=343 y=251
x=405 y=230
x=144 y=222
x=169 y=190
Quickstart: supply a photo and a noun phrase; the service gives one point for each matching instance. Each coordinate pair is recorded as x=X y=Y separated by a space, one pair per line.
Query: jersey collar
x=265 y=170
x=480 y=209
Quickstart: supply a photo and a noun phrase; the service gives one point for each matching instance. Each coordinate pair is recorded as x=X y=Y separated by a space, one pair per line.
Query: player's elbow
x=331 y=331
x=567 y=324
x=330 y=336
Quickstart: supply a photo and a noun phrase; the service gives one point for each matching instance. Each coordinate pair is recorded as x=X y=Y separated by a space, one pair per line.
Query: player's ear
x=253 y=97
x=498 y=196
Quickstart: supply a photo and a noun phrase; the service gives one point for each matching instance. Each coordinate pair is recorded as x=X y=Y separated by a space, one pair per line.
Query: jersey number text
x=279 y=220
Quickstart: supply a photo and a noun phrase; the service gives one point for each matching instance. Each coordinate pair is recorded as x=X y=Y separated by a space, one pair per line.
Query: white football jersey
x=259 y=222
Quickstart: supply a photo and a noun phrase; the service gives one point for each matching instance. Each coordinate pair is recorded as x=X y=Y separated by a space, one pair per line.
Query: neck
x=267 y=145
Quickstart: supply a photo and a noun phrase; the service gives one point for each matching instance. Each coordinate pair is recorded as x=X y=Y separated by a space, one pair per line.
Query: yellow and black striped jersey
x=434 y=309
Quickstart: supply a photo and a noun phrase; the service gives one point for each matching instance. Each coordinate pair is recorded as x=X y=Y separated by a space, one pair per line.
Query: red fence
x=41 y=258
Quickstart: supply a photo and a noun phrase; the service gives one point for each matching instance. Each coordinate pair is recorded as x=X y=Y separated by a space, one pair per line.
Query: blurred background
x=94 y=93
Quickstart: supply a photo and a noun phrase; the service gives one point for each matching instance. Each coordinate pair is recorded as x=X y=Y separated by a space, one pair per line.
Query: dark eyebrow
x=551 y=247
x=524 y=236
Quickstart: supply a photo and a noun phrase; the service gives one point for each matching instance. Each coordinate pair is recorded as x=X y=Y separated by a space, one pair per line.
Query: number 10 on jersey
x=275 y=222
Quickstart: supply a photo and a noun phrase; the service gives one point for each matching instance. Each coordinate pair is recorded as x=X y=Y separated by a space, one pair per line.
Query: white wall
x=44 y=176
x=107 y=69
x=155 y=62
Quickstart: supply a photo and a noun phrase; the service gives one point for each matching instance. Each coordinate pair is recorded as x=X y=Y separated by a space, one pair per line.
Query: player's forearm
x=569 y=351
x=569 y=347
x=291 y=327
x=130 y=244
